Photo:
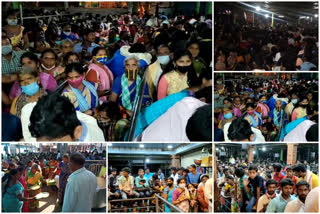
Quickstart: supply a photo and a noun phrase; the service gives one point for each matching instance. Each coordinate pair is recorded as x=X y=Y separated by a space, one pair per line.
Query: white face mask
x=12 y=21
x=67 y=33
x=163 y=60
x=48 y=69
x=182 y=186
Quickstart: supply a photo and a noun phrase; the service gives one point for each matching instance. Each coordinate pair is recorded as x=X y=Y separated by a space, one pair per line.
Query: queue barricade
x=157 y=205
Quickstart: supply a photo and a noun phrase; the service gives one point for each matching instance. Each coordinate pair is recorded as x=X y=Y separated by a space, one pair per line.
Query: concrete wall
x=188 y=159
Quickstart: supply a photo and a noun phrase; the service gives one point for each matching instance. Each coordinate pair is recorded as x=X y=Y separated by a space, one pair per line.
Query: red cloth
x=294 y=179
x=25 y=207
x=278 y=177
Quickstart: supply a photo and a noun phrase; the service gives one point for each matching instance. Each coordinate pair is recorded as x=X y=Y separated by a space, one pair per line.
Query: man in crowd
x=81 y=187
x=266 y=198
x=298 y=204
x=279 y=203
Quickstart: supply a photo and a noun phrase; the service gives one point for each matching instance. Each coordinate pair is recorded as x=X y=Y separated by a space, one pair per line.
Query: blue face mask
x=228 y=116
x=264 y=101
x=6 y=49
x=102 y=60
x=294 y=101
x=30 y=89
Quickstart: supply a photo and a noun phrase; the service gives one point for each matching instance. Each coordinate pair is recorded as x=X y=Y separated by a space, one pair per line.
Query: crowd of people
x=189 y=189
x=266 y=186
x=94 y=69
x=266 y=108
x=258 y=47
x=24 y=176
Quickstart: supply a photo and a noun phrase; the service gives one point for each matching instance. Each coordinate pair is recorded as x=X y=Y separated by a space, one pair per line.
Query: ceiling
x=289 y=9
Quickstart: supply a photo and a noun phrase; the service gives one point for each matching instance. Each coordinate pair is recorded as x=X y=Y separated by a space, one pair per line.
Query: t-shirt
x=256 y=182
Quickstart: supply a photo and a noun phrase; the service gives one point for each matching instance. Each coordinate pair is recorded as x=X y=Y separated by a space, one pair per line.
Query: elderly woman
x=125 y=89
x=66 y=47
x=29 y=81
x=82 y=94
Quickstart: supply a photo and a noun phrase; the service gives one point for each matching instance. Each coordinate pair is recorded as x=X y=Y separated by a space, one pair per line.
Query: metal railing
x=157 y=198
x=137 y=107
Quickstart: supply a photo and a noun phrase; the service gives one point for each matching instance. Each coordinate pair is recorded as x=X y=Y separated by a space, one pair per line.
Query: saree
x=102 y=76
x=63 y=180
x=10 y=201
x=169 y=199
x=25 y=207
x=85 y=99
x=254 y=121
x=183 y=195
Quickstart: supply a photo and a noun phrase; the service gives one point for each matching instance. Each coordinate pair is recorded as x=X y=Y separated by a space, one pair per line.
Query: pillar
x=250 y=153
x=209 y=8
x=66 y=5
x=215 y=178
x=197 y=9
x=175 y=161
x=292 y=153
x=281 y=155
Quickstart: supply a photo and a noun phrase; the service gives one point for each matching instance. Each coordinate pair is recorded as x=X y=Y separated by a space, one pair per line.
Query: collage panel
x=266 y=36
x=266 y=177
x=116 y=71
x=160 y=177
x=266 y=107
x=55 y=177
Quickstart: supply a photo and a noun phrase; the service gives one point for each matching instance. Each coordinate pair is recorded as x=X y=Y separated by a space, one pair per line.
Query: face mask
x=264 y=101
x=250 y=112
x=6 y=49
x=182 y=186
x=216 y=96
x=304 y=105
x=183 y=69
x=163 y=60
x=12 y=21
x=102 y=59
x=30 y=89
x=58 y=42
x=67 y=33
x=48 y=69
x=170 y=185
x=131 y=74
x=219 y=82
x=294 y=101
x=228 y=116
x=75 y=83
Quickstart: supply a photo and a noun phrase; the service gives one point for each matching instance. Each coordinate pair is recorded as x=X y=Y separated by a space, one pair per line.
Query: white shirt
x=257 y=133
x=171 y=126
x=295 y=206
x=312 y=201
x=80 y=190
x=298 y=134
x=175 y=179
x=94 y=133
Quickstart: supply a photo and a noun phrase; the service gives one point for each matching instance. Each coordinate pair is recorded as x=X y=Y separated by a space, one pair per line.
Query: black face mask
x=131 y=74
x=303 y=105
x=183 y=69
x=170 y=185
